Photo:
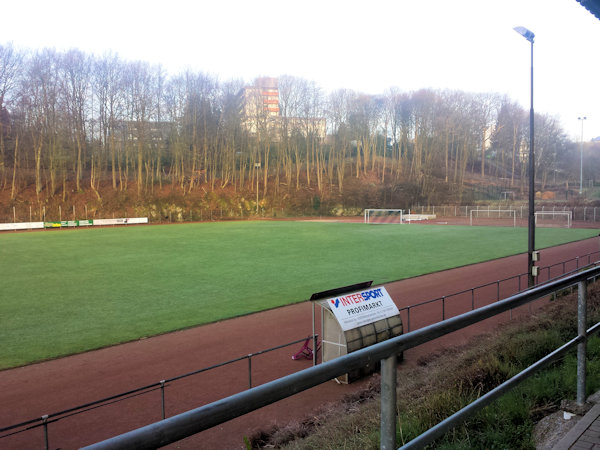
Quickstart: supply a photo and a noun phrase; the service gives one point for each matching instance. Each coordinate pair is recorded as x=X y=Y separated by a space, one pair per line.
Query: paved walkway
x=585 y=434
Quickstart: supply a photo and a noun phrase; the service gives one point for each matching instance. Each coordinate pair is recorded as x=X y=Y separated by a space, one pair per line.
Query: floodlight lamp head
x=582 y=118
x=527 y=34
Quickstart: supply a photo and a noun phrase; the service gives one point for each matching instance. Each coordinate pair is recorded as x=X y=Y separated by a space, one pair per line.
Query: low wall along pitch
x=71 y=223
x=21 y=226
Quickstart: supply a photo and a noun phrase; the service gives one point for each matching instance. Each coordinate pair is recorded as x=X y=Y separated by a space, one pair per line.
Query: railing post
x=249 y=370
x=388 y=403
x=444 y=307
x=498 y=290
x=408 y=319
x=45 y=421
x=162 y=398
x=581 y=347
x=315 y=339
x=472 y=299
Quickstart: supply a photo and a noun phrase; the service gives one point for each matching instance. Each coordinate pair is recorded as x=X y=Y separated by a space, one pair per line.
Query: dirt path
x=52 y=386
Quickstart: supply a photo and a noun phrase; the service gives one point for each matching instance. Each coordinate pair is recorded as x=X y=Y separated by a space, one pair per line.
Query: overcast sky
x=368 y=46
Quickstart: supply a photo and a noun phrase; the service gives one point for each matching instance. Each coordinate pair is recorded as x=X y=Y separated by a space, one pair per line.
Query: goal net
x=382 y=216
x=494 y=217
x=559 y=219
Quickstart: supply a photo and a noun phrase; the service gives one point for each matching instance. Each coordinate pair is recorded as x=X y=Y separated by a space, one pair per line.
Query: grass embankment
x=69 y=291
x=446 y=382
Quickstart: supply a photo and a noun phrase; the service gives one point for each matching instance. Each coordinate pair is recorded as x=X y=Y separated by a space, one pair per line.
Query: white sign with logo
x=360 y=308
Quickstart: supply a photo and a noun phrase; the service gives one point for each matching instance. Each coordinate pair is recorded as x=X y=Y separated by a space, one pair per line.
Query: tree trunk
x=13 y=190
x=514 y=151
x=140 y=167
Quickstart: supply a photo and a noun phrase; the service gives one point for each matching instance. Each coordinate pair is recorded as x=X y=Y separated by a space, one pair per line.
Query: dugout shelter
x=355 y=317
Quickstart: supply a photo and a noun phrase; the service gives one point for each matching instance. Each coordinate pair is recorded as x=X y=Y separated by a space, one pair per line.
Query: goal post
x=492 y=216
x=383 y=216
x=561 y=219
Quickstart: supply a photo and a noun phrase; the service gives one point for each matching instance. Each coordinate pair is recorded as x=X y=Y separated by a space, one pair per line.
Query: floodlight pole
x=581 y=152
x=531 y=222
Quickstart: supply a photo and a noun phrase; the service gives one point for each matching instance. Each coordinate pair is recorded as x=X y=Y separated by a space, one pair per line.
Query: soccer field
x=69 y=291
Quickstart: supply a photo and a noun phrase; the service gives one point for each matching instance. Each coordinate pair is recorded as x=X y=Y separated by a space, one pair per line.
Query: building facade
x=261 y=113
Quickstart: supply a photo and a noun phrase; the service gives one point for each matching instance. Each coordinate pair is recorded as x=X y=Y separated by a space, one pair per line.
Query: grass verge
x=445 y=382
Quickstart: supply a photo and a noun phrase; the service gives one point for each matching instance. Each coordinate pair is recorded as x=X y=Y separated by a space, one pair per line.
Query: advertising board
x=360 y=308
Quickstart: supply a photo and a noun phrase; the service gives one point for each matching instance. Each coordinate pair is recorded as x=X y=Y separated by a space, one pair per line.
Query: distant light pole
x=531 y=222
x=581 y=151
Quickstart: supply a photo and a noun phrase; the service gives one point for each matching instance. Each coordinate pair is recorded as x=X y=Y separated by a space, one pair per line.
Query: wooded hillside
x=81 y=128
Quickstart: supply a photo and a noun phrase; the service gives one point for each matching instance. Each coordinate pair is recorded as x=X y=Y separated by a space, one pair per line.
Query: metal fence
x=580 y=213
x=194 y=421
x=171 y=214
x=496 y=290
x=155 y=213
x=47 y=419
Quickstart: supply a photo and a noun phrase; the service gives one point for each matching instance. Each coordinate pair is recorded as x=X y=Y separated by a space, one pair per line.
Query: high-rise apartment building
x=260 y=107
x=261 y=101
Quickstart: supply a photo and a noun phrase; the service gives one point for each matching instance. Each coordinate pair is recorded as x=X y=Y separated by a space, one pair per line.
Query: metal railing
x=580 y=213
x=194 y=421
x=567 y=266
x=47 y=419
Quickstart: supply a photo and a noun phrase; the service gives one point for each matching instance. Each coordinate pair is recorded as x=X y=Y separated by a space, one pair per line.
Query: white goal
x=493 y=217
x=560 y=219
x=383 y=216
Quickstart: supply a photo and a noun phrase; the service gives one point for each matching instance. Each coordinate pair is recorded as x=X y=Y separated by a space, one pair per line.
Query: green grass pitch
x=68 y=291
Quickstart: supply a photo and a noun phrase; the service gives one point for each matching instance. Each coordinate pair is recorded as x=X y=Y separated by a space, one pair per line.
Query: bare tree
x=401 y=128
x=41 y=112
x=339 y=110
x=109 y=92
x=140 y=107
x=486 y=108
x=229 y=130
x=290 y=99
x=550 y=142
x=507 y=137
x=11 y=63
x=175 y=104
x=74 y=76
